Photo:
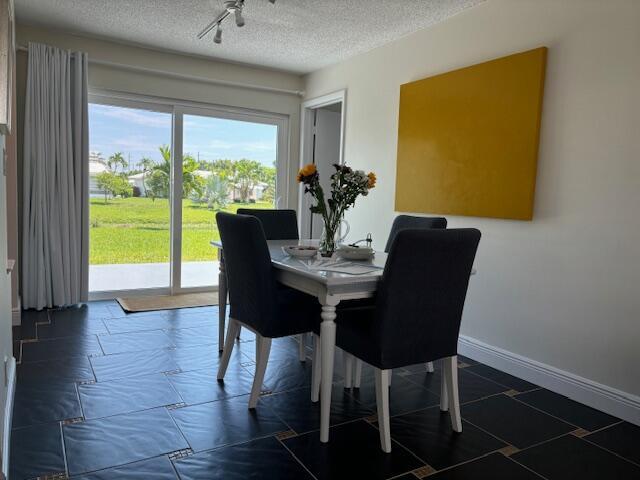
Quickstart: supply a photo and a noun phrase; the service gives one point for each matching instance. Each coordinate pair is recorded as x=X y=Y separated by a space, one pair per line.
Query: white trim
x=185 y=76
x=16 y=314
x=10 y=365
x=108 y=96
x=306 y=109
x=602 y=397
x=175 y=200
x=142 y=292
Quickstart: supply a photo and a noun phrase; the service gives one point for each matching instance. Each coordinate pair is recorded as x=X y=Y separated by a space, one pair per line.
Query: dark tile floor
x=104 y=395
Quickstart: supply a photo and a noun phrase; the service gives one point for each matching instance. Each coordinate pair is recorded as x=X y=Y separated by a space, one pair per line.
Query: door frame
x=178 y=108
x=282 y=173
x=306 y=143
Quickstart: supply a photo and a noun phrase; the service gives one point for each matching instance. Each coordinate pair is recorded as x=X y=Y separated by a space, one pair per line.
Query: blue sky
x=138 y=133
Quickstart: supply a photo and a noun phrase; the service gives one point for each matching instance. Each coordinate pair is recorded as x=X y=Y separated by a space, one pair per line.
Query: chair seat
x=296 y=311
x=355 y=333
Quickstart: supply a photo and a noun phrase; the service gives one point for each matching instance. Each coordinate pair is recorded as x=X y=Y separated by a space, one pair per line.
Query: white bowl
x=300 y=251
x=355 y=253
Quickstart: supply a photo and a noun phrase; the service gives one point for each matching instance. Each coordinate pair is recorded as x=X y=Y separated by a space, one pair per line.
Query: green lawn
x=136 y=230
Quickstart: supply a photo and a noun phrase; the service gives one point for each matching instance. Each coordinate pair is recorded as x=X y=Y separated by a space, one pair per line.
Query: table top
x=284 y=262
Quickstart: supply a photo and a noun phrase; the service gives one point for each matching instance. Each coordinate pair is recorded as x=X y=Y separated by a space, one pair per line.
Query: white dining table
x=330 y=288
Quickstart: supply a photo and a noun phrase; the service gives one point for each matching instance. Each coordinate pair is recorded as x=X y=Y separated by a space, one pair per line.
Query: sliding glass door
x=226 y=164
x=129 y=210
x=159 y=174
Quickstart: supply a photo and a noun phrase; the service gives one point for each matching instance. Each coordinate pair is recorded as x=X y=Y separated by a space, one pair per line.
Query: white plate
x=300 y=252
x=355 y=253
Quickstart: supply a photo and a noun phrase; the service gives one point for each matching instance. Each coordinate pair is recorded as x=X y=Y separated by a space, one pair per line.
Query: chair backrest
x=277 y=224
x=250 y=276
x=422 y=294
x=404 y=222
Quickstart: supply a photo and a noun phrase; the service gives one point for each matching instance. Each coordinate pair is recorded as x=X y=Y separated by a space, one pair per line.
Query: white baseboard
x=8 y=413
x=602 y=397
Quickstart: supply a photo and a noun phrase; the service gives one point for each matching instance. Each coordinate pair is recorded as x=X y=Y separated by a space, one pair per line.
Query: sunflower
x=372 y=180
x=306 y=171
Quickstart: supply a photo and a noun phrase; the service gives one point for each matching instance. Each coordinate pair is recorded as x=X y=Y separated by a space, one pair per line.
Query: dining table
x=329 y=287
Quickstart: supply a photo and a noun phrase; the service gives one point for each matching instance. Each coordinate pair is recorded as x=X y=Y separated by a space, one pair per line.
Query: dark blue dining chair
x=401 y=222
x=258 y=302
x=279 y=224
x=417 y=314
x=406 y=222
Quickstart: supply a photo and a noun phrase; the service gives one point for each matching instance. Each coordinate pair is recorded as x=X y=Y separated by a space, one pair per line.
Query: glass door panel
x=226 y=164
x=129 y=171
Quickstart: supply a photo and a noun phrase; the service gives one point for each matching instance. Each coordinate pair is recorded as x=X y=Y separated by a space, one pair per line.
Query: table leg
x=222 y=300
x=327 y=344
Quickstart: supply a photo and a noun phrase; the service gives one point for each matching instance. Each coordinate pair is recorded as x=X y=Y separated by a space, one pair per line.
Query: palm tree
x=161 y=174
x=247 y=174
x=115 y=160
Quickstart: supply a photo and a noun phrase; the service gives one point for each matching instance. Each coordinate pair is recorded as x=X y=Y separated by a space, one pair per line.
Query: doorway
x=321 y=144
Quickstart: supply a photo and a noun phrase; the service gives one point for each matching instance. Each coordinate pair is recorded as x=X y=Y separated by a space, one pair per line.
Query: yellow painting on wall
x=468 y=139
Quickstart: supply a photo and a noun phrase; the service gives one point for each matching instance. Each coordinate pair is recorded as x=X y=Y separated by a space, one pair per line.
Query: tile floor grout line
x=295 y=457
x=468 y=369
x=605 y=427
x=173 y=420
x=610 y=451
x=399 y=443
x=547 y=413
x=64 y=449
x=79 y=400
x=527 y=468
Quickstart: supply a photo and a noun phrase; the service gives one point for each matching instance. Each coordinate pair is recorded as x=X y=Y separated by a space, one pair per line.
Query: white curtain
x=55 y=243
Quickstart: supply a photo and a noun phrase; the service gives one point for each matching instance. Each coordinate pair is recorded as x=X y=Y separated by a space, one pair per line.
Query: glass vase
x=328 y=240
x=331 y=238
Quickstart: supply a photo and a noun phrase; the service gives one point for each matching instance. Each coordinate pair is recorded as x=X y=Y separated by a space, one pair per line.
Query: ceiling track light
x=231 y=7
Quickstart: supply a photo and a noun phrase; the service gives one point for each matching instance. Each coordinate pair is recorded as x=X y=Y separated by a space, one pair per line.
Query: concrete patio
x=130 y=276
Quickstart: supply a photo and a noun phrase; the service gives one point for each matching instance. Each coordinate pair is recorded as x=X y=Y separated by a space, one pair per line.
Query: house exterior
x=97 y=165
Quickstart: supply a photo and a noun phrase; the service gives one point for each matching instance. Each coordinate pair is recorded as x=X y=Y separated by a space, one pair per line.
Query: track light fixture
x=231 y=7
x=239 y=17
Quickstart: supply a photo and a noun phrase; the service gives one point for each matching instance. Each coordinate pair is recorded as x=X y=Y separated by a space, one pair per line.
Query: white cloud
x=134 y=144
x=139 y=117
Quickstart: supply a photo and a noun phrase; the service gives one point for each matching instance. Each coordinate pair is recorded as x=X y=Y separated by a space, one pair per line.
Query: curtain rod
x=184 y=76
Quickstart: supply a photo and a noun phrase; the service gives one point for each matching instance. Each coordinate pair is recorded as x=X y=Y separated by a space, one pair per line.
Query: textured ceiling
x=293 y=35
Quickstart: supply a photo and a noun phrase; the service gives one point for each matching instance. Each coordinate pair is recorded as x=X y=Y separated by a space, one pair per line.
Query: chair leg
x=228 y=347
x=382 y=403
x=444 y=397
x=238 y=334
x=347 y=358
x=451 y=372
x=390 y=376
x=302 y=350
x=316 y=369
x=357 y=372
x=263 y=347
x=430 y=368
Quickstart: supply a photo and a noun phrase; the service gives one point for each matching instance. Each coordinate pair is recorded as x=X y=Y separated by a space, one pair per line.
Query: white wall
x=6 y=346
x=563 y=289
x=109 y=78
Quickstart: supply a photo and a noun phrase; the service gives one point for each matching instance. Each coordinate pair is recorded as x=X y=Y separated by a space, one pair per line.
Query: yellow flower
x=308 y=169
x=372 y=180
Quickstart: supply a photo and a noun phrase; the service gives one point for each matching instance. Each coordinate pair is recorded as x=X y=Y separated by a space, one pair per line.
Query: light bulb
x=218 y=36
